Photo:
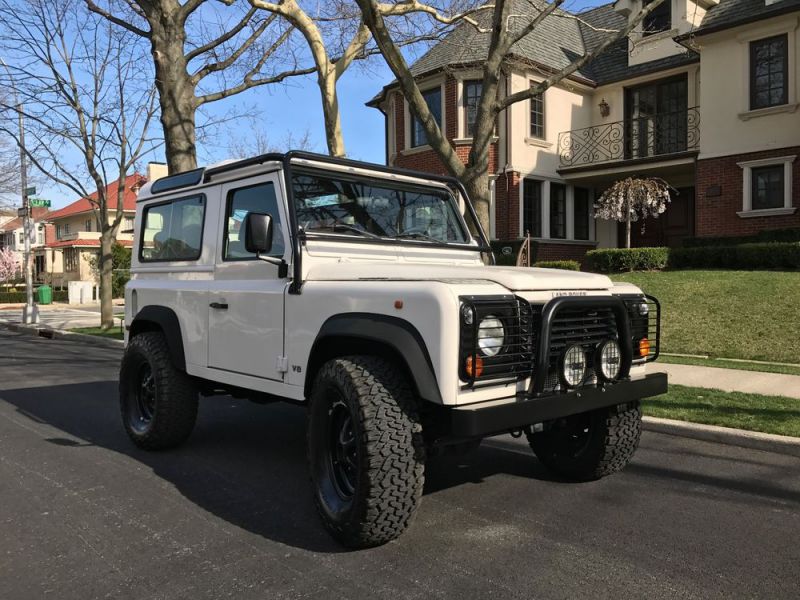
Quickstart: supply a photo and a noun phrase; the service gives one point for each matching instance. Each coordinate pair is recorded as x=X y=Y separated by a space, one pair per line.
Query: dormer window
x=659 y=20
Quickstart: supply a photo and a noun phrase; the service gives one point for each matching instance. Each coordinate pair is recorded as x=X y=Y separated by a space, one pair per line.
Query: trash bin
x=45 y=293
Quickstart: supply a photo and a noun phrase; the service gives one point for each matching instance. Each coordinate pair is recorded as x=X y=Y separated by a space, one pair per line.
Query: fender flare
x=154 y=317
x=397 y=334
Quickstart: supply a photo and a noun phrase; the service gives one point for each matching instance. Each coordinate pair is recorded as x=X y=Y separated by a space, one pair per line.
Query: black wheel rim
x=574 y=436
x=342 y=449
x=145 y=395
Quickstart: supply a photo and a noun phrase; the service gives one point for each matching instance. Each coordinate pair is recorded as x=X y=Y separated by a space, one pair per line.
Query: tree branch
x=116 y=20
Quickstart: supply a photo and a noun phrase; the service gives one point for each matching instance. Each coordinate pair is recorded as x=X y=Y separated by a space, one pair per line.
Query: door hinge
x=283 y=364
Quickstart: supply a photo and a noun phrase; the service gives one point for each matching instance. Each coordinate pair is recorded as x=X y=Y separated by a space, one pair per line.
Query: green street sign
x=39 y=202
x=30 y=191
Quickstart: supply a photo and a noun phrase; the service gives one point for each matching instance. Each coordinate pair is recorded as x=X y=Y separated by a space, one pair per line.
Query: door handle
x=219 y=305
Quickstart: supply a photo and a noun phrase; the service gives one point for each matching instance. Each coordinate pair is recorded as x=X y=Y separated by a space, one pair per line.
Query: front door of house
x=669 y=229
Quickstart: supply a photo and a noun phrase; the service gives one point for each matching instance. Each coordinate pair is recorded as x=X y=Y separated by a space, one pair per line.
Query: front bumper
x=489 y=418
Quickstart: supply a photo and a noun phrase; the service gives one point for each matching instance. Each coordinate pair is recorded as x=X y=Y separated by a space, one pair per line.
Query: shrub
x=774 y=255
x=771 y=235
x=611 y=260
x=568 y=265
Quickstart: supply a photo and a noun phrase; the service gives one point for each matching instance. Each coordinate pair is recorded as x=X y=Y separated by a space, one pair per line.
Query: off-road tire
x=388 y=473
x=172 y=412
x=611 y=440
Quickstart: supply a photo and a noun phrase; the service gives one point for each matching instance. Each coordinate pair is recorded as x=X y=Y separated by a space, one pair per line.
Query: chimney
x=156 y=170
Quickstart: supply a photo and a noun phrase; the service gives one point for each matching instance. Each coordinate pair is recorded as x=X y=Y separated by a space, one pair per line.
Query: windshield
x=330 y=203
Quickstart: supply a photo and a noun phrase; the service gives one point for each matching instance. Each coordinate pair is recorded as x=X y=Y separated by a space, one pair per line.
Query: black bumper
x=477 y=420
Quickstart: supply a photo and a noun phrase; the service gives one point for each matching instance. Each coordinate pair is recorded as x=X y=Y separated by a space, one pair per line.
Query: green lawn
x=768 y=414
x=114 y=333
x=753 y=315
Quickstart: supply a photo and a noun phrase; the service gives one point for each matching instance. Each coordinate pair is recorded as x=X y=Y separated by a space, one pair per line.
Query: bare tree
x=260 y=142
x=505 y=29
x=88 y=105
x=202 y=52
x=336 y=36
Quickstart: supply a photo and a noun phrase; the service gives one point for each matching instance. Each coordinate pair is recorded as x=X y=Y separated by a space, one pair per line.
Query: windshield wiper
x=346 y=227
x=415 y=235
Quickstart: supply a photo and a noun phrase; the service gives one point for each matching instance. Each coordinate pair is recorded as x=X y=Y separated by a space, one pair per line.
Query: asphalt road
x=83 y=514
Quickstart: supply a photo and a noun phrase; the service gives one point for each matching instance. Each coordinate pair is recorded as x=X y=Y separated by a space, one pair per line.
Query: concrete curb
x=50 y=333
x=756 y=440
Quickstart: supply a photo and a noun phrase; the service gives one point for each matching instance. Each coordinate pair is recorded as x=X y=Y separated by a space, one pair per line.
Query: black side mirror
x=258 y=233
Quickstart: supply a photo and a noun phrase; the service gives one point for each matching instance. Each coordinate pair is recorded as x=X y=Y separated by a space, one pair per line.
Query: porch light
x=605 y=109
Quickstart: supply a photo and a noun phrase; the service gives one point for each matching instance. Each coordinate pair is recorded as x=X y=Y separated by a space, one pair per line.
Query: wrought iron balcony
x=641 y=137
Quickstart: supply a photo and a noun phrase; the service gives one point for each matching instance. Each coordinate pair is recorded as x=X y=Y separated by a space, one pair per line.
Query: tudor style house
x=704 y=95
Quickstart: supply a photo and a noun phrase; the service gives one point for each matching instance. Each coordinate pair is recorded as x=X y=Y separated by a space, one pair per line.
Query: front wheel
x=158 y=401
x=365 y=450
x=590 y=445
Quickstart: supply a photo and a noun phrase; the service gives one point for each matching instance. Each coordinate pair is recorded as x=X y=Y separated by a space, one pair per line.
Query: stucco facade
x=673 y=104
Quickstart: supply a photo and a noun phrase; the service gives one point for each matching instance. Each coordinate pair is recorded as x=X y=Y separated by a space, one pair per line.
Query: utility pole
x=30 y=314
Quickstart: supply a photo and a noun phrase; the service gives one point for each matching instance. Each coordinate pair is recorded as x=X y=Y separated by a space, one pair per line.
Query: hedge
x=569 y=265
x=21 y=297
x=775 y=255
x=773 y=235
x=612 y=260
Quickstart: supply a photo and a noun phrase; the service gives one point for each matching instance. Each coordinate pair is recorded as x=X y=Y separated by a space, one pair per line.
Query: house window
x=21 y=238
x=66 y=228
x=433 y=98
x=71 y=259
x=558 y=211
x=472 y=96
x=40 y=238
x=58 y=232
x=532 y=207
x=767 y=187
x=537 y=116
x=128 y=224
x=769 y=72
x=88 y=225
x=660 y=19
x=581 y=213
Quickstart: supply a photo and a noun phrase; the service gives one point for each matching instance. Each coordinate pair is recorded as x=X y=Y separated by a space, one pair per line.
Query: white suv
x=362 y=292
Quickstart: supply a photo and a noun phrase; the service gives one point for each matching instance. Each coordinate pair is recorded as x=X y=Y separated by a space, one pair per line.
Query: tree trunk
x=628 y=224
x=176 y=90
x=330 y=111
x=106 y=268
x=477 y=188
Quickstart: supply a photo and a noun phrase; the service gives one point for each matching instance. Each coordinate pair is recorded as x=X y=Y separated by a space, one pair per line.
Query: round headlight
x=491 y=335
x=573 y=366
x=609 y=360
x=644 y=309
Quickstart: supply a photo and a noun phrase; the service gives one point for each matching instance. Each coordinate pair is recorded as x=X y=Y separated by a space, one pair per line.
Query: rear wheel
x=365 y=449
x=590 y=445
x=157 y=400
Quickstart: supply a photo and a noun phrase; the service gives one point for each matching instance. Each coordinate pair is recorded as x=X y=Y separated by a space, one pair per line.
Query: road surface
x=84 y=514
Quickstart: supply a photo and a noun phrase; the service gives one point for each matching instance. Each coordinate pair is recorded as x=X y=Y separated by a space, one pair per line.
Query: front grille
x=588 y=327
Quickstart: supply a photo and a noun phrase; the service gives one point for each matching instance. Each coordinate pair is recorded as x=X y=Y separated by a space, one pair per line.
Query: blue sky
x=295 y=109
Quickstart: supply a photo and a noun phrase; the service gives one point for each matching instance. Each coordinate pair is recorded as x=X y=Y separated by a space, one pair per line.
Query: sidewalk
x=61 y=316
x=731 y=380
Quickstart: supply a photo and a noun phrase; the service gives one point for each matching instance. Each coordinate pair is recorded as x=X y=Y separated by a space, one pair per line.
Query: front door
x=246 y=299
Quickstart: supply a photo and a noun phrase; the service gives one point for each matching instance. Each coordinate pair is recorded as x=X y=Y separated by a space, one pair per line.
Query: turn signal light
x=474 y=368
x=644 y=347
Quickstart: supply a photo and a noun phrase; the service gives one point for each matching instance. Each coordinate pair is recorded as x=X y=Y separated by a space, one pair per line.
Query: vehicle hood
x=512 y=278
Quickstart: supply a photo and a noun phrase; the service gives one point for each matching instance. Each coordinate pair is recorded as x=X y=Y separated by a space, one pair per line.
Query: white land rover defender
x=361 y=291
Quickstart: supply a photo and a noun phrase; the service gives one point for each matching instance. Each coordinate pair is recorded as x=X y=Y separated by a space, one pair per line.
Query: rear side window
x=173 y=230
x=259 y=198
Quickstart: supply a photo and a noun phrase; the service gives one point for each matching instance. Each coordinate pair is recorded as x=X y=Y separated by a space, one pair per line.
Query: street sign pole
x=30 y=314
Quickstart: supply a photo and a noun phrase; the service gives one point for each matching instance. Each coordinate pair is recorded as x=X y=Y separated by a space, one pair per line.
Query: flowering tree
x=8 y=265
x=631 y=200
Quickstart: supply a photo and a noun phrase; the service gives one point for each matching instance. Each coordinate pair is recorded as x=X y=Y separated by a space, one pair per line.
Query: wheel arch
x=165 y=320
x=380 y=335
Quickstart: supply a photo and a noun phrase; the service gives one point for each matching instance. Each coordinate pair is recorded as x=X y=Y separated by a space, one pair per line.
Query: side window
x=259 y=198
x=173 y=230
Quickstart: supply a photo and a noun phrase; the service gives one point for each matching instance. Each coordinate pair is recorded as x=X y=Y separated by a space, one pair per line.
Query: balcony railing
x=642 y=137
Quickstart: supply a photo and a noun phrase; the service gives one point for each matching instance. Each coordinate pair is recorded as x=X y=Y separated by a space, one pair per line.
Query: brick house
x=75 y=238
x=727 y=142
